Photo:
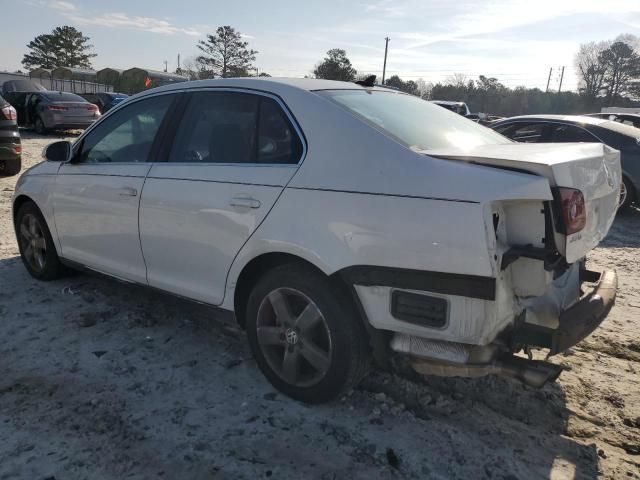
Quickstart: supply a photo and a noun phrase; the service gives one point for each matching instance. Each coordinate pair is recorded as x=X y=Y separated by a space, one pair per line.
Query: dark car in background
x=15 y=92
x=105 y=100
x=44 y=111
x=10 y=145
x=575 y=128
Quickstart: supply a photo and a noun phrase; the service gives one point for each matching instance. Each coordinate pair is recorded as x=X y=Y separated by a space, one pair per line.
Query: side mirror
x=57 y=152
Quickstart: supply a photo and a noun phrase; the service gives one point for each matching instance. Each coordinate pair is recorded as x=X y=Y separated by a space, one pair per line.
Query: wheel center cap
x=291 y=336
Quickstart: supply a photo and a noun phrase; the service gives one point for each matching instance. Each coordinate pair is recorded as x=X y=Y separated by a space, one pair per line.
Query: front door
x=97 y=194
x=232 y=155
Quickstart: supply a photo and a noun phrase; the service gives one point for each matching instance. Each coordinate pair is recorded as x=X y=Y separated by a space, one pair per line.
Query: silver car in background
x=50 y=110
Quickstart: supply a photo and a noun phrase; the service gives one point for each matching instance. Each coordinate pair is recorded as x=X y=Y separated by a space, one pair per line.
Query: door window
x=127 y=135
x=233 y=127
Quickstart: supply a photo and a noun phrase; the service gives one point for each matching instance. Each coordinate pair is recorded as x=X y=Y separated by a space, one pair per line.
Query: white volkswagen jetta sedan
x=340 y=222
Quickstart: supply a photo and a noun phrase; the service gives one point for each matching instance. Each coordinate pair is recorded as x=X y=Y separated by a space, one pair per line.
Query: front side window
x=416 y=123
x=127 y=135
x=234 y=127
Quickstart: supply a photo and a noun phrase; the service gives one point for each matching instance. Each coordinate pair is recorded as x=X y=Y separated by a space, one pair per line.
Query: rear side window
x=234 y=127
x=526 y=133
x=569 y=133
x=127 y=135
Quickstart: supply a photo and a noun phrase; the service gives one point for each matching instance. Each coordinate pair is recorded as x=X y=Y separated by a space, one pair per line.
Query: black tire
x=50 y=267
x=38 y=126
x=11 y=167
x=630 y=196
x=348 y=356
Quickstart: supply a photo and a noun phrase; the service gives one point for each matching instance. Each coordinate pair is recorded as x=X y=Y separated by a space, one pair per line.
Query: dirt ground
x=101 y=380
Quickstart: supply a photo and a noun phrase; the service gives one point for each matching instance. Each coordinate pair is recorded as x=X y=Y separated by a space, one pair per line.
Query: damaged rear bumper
x=578 y=321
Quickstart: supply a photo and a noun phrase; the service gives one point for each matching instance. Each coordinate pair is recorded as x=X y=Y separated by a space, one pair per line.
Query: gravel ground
x=102 y=380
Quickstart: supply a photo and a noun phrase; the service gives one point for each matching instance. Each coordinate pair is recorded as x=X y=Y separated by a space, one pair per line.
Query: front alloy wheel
x=35 y=243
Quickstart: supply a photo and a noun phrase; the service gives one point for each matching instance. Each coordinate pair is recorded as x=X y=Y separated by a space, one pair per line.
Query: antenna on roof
x=369 y=81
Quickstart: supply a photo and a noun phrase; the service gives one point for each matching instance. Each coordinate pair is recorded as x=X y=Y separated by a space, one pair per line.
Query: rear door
x=97 y=195
x=233 y=153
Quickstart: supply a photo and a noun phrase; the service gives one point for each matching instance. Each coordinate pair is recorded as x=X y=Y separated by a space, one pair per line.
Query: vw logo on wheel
x=291 y=336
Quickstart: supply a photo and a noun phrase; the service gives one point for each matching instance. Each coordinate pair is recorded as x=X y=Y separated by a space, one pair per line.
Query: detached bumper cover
x=577 y=322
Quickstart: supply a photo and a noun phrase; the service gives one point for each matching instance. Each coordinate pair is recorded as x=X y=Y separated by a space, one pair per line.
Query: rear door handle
x=246 y=202
x=128 y=192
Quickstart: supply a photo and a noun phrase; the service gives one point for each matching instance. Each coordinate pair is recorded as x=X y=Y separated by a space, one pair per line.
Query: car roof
x=270 y=84
x=559 y=118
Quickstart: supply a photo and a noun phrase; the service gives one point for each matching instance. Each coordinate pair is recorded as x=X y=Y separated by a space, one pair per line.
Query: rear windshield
x=622 y=128
x=418 y=124
x=63 y=97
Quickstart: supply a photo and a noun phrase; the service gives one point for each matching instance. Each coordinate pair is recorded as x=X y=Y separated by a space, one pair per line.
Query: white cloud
x=62 y=6
x=122 y=20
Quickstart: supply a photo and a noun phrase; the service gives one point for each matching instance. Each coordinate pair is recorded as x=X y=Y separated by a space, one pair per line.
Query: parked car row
x=340 y=222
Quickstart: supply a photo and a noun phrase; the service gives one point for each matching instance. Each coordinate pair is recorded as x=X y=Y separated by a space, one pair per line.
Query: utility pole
x=178 y=62
x=548 y=80
x=561 y=77
x=384 y=67
x=165 y=65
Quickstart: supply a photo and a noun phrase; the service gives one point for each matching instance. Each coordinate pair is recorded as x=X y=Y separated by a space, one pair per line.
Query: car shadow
x=624 y=231
x=118 y=374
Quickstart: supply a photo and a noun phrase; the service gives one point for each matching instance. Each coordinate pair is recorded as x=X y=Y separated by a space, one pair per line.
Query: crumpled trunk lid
x=592 y=168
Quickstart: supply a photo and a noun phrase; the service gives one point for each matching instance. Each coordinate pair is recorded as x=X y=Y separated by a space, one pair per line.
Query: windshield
x=418 y=124
x=63 y=97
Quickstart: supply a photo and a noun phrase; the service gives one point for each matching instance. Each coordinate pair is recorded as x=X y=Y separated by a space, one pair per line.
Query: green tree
x=64 y=47
x=622 y=70
x=408 y=86
x=335 y=66
x=225 y=54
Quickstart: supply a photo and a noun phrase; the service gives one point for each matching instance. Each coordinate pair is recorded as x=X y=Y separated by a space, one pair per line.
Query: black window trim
x=272 y=96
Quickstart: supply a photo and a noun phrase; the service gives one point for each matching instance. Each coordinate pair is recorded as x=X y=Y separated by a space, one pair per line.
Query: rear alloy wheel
x=39 y=126
x=626 y=194
x=306 y=339
x=36 y=245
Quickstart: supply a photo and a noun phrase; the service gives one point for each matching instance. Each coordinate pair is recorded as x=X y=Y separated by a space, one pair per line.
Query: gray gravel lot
x=102 y=380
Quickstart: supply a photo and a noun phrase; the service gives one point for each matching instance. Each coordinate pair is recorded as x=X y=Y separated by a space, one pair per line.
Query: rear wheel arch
x=254 y=270
x=260 y=265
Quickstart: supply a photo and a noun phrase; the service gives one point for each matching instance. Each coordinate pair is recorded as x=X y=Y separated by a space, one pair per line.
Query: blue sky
x=516 y=41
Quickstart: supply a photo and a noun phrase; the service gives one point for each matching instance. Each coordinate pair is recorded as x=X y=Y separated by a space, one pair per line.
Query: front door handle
x=246 y=202
x=128 y=192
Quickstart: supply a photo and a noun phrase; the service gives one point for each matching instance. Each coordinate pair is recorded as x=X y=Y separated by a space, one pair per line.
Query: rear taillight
x=57 y=108
x=574 y=212
x=9 y=112
x=92 y=108
x=18 y=149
